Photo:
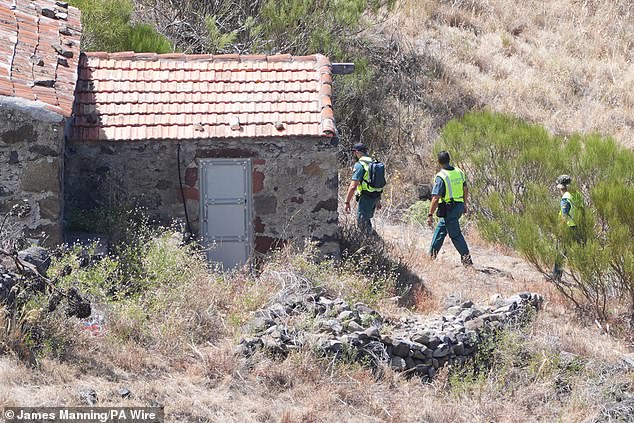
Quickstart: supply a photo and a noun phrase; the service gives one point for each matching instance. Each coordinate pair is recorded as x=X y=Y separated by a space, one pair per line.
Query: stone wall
x=31 y=147
x=307 y=318
x=294 y=182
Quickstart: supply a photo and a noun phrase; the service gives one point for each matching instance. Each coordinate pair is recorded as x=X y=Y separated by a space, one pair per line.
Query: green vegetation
x=143 y=38
x=159 y=294
x=169 y=302
x=511 y=361
x=387 y=69
x=512 y=166
x=107 y=26
x=417 y=212
x=324 y=26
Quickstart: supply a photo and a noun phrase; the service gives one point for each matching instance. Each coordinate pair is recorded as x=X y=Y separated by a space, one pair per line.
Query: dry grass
x=495 y=271
x=566 y=64
x=205 y=381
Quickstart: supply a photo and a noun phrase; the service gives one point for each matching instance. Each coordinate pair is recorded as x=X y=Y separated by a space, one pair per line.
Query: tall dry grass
x=200 y=378
x=566 y=64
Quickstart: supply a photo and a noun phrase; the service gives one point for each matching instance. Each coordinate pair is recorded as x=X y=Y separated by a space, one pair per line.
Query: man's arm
x=351 y=190
x=465 y=191
x=432 y=209
x=436 y=194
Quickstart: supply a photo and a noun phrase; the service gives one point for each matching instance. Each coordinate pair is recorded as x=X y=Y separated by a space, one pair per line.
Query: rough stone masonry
x=294 y=183
x=416 y=344
x=31 y=157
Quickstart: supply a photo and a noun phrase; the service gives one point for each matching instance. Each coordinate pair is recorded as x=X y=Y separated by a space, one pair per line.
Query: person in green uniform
x=570 y=207
x=450 y=193
x=369 y=198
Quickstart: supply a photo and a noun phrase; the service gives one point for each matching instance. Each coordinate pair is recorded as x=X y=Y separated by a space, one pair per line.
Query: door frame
x=247 y=164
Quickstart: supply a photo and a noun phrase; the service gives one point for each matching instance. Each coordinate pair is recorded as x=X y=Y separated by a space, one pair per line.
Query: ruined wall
x=294 y=182
x=305 y=317
x=31 y=165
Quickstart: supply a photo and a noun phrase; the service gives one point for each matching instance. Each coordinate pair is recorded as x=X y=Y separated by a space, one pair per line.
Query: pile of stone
x=7 y=281
x=415 y=344
x=17 y=289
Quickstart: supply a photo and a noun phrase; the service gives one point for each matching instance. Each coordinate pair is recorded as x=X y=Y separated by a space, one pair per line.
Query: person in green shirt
x=450 y=193
x=369 y=198
x=570 y=210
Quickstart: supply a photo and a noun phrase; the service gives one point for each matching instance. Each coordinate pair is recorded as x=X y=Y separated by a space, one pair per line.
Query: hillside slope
x=566 y=64
x=555 y=369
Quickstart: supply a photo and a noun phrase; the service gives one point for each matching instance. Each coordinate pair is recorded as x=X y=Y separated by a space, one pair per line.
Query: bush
x=129 y=230
x=107 y=27
x=512 y=166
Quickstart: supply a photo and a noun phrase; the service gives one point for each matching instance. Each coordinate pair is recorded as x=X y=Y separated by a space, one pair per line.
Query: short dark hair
x=443 y=158
x=360 y=147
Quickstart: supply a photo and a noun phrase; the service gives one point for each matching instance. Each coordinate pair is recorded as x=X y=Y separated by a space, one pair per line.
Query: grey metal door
x=225 y=188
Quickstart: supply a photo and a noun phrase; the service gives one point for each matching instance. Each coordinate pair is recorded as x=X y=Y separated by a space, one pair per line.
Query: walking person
x=449 y=198
x=570 y=208
x=368 y=197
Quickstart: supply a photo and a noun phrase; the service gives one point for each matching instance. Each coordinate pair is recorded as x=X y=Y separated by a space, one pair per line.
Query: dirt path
x=494 y=272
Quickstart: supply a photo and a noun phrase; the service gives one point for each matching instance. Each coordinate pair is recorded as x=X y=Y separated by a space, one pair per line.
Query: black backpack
x=376 y=174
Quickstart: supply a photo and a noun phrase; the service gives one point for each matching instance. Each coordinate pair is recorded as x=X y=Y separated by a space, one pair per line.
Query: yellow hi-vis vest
x=454 y=185
x=364 y=184
x=570 y=216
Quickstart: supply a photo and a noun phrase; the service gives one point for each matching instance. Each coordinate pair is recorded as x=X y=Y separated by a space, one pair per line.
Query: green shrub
x=417 y=212
x=107 y=27
x=129 y=230
x=314 y=25
x=143 y=38
x=512 y=166
x=169 y=301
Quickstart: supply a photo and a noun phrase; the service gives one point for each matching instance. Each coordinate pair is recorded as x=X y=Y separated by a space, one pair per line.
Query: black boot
x=466 y=260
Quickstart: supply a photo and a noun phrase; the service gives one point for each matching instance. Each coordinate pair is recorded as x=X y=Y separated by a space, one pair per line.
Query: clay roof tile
x=173 y=96
x=24 y=30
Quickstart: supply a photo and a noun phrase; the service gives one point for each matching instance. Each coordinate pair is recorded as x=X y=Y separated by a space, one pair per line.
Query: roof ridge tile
x=279 y=58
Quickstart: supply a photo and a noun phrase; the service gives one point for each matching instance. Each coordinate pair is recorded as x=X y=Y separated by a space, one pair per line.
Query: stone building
x=241 y=148
x=39 y=55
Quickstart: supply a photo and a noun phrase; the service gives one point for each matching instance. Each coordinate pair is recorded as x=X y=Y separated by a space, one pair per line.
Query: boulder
x=458 y=349
x=372 y=332
x=38 y=257
x=409 y=363
x=441 y=351
x=401 y=348
x=345 y=315
x=398 y=363
x=353 y=326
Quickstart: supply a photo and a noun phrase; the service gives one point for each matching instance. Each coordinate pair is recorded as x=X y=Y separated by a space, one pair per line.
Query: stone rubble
x=7 y=281
x=416 y=344
x=18 y=289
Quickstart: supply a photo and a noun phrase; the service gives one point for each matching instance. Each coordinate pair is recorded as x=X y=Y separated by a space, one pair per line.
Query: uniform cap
x=563 y=181
x=360 y=147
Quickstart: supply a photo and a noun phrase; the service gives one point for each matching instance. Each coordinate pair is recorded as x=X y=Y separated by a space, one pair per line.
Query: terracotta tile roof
x=39 y=52
x=128 y=96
